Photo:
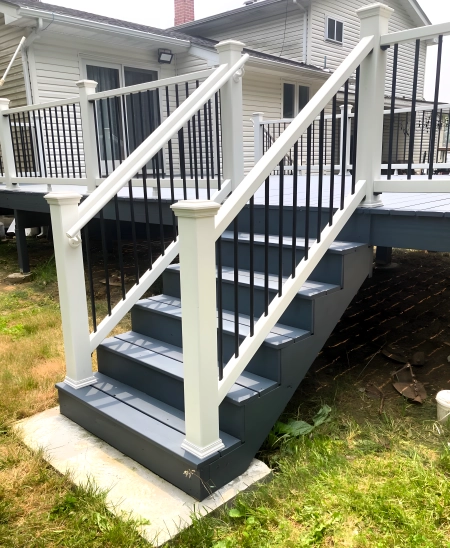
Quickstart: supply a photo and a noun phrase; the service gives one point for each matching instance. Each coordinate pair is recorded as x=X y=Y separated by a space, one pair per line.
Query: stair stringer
x=262 y=413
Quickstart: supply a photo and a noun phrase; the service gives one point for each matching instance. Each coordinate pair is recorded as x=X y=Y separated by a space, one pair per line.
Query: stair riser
x=299 y=314
x=259 y=222
x=169 y=330
x=329 y=270
x=162 y=462
x=167 y=389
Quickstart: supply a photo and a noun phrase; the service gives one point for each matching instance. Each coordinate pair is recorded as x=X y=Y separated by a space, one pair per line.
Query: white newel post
x=72 y=290
x=199 y=322
x=258 y=128
x=349 y=134
x=87 y=87
x=374 y=22
x=230 y=51
x=9 y=166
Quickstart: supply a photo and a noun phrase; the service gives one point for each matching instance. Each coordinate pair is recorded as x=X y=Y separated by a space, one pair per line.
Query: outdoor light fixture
x=165 y=56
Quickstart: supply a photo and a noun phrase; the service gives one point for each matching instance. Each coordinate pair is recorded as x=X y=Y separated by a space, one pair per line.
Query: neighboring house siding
x=186 y=63
x=345 y=10
x=14 y=87
x=281 y=35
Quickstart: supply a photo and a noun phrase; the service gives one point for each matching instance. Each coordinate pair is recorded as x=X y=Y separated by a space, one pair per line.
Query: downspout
x=25 y=61
x=305 y=30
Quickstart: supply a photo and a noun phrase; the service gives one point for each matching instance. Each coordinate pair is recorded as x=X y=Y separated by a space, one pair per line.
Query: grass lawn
x=361 y=479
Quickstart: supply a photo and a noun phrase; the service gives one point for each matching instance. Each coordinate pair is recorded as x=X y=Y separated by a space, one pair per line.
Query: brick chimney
x=184 y=11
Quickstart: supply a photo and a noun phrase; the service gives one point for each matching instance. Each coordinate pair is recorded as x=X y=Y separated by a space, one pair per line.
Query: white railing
x=69 y=217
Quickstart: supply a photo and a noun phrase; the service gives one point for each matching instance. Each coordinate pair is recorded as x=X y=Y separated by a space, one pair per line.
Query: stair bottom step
x=153 y=442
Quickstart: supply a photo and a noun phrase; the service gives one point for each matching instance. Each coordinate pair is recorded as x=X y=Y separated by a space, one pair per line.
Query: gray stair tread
x=278 y=329
x=162 y=412
x=169 y=359
x=165 y=304
x=310 y=289
x=341 y=248
x=166 y=438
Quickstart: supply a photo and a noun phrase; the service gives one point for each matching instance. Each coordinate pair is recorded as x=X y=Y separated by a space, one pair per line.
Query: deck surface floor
x=432 y=204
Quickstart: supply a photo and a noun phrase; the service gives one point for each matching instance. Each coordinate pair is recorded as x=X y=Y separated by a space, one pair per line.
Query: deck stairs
x=137 y=405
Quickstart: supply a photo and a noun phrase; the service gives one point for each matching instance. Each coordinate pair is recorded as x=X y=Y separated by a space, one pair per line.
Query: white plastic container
x=443 y=405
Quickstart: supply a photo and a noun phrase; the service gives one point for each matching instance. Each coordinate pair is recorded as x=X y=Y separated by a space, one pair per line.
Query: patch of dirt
x=407 y=309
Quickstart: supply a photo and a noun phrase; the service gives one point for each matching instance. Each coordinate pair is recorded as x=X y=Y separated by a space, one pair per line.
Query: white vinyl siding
x=323 y=51
x=281 y=35
x=14 y=87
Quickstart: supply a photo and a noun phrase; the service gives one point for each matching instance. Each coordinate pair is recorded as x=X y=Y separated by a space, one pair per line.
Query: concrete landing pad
x=132 y=489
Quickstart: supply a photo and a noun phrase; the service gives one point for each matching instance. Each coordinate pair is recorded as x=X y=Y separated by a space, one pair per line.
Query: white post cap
x=195 y=208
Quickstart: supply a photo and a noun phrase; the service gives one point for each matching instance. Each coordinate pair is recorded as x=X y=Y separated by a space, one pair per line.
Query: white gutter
x=76 y=21
x=280 y=65
x=305 y=29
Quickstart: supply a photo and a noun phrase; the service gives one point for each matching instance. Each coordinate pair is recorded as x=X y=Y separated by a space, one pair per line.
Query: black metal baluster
x=181 y=151
x=218 y=136
x=126 y=144
x=398 y=135
x=147 y=219
x=308 y=191
x=59 y=143
x=48 y=144
x=77 y=138
x=66 y=152
x=90 y=275
x=23 y=126
x=448 y=136
x=191 y=171
x=100 y=171
x=344 y=145
x=392 y=118
x=439 y=135
x=111 y=144
x=266 y=245
x=333 y=159
x=294 y=210
x=200 y=141
x=319 y=197
x=435 y=107
x=405 y=140
x=133 y=231
x=160 y=212
x=280 y=228
x=194 y=135
x=105 y=260
x=102 y=125
x=119 y=247
x=326 y=141
x=236 y=286
x=171 y=174
x=205 y=123
x=42 y=152
x=219 y=308
x=313 y=143
x=33 y=156
x=421 y=136
x=252 y=266
x=413 y=111
x=23 y=145
x=355 y=131
x=211 y=146
x=16 y=149
x=72 y=156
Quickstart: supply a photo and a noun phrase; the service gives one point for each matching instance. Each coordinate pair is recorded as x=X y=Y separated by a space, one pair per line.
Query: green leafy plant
x=295 y=429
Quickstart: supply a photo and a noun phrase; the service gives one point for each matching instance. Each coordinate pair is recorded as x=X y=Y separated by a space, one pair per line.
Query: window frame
x=297 y=87
x=336 y=21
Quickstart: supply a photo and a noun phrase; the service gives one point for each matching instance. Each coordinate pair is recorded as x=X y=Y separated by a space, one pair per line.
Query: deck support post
x=374 y=22
x=9 y=165
x=258 y=129
x=199 y=325
x=72 y=289
x=230 y=52
x=349 y=132
x=87 y=87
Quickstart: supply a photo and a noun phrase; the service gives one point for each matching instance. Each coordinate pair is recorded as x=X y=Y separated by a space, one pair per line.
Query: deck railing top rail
x=148 y=86
x=39 y=106
x=429 y=32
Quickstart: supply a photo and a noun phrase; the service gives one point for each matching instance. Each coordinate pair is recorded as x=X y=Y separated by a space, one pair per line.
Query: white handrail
x=421 y=33
x=277 y=307
x=145 y=282
x=152 y=145
x=290 y=136
x=156 y=84
x=41 y=106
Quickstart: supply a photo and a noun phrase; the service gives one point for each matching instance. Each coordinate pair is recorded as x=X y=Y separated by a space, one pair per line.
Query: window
x=334 y=30
x=295 y=98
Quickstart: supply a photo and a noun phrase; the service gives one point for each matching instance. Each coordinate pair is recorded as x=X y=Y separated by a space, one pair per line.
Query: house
x=273 y=241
